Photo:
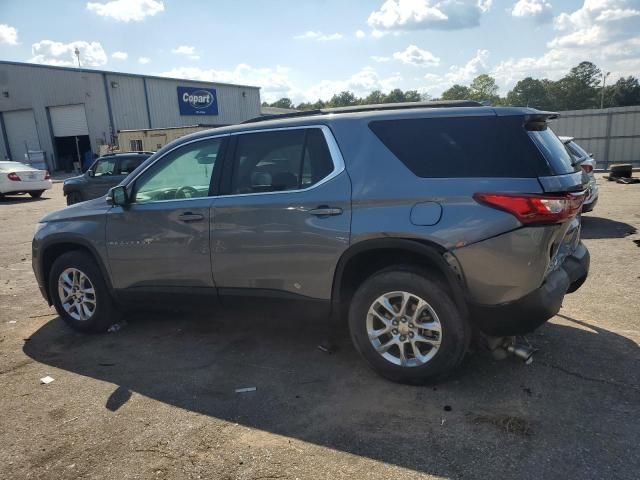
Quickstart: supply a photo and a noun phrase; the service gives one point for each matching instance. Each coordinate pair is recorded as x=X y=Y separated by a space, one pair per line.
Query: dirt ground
x=157 y=399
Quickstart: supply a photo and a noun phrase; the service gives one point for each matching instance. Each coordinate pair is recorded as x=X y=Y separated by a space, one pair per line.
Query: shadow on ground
x=598 y=227
x=570 y=414
x=14 y=199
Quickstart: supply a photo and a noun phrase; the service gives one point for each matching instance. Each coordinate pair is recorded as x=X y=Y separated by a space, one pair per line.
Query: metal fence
x=611 y=134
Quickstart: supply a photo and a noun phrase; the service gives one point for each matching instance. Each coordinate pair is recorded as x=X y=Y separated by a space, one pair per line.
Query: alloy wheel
x=404 y=329
x=77 y=294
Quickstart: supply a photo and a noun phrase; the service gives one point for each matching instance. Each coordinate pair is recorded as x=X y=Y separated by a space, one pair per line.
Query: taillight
x=47 y=175
x=587 y=168
x=534 y=208
x=12 y=176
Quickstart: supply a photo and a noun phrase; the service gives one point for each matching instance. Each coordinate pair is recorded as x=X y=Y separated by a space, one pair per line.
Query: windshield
x=554 y=151
x=577 y=150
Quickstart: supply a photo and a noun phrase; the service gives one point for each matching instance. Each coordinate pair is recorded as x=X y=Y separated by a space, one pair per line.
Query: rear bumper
x=524 y=315
x=587 y=207
x=24 y=187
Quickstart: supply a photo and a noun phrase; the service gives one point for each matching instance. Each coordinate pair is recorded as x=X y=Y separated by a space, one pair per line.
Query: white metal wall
x=611 y=134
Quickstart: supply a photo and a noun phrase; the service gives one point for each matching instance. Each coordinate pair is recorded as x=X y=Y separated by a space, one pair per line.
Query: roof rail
x=369 y=108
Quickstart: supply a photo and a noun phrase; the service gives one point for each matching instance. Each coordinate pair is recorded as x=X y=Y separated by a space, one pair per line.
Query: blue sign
x=197 y=101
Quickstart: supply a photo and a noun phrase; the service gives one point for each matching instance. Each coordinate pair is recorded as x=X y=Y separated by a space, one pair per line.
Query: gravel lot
x=157 y=399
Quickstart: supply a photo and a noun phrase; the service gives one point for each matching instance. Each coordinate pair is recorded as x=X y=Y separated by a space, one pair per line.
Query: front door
x=283 y=218
x=161 y=239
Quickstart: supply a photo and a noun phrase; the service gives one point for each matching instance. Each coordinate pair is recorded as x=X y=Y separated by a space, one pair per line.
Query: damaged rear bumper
x=524 y=315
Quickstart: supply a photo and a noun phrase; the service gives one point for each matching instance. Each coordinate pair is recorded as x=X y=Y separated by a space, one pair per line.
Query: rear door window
x=280 y=160
x=129 y=164
x=482 y=146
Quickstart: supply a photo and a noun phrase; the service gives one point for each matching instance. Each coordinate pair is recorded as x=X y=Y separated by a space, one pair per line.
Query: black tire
x=105 y=313
x=74 y=197
x=456 y=333
x=36 y=194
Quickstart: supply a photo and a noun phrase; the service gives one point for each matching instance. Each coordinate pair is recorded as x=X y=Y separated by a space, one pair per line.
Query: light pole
x=77 y=52
x=604 y=82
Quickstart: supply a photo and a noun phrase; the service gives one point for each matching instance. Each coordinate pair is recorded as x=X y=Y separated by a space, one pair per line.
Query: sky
x=311 y=49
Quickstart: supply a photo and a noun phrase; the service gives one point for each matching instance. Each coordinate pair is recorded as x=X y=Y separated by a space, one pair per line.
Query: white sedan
x=16 y=177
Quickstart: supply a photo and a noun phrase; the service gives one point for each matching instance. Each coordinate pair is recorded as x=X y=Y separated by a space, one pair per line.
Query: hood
x=74 y=180
x=90 y=208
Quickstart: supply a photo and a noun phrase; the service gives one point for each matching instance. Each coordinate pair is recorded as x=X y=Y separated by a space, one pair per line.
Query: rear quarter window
x=554 y=151
x=483 y=146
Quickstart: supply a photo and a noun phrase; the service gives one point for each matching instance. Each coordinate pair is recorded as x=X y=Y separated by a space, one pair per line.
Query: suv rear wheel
x=406 y=326
x=80 y=294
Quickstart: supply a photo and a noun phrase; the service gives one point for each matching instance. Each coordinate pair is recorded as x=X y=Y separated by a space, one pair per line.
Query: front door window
x=184 y=173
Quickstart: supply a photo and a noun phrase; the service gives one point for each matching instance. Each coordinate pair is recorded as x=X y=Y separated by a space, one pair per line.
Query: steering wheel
x=186 y=192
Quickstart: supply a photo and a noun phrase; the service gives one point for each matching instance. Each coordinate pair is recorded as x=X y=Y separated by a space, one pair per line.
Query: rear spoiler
x=538 y=121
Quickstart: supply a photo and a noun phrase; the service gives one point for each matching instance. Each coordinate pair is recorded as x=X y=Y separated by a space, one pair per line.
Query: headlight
x=39 y=226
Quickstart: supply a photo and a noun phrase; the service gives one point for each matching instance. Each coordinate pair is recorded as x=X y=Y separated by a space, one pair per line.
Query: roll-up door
x=68 y=121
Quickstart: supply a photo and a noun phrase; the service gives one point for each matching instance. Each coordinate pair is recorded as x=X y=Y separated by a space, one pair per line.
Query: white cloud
x=63 y=54
x=319 y=36
x=413 y=55
x=360 y=34
x=538 y=10
x=8 y=34
x=144 y=60
x=360 y=83
x=186 y=50
x=461 y=74
x=127 y=10
x=380 y=59
x=120 y=55
x=602 y=31
x=274 y=82
x=428 y=14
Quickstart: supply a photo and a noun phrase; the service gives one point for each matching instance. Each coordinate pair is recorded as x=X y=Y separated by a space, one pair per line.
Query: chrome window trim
x=332 y=144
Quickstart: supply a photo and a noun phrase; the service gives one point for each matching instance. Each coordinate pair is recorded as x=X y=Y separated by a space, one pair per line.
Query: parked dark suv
x=106 y=172
x=423 y=224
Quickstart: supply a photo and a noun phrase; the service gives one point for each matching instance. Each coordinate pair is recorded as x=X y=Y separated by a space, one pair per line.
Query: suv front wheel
x=406 y=326
x=80 y=294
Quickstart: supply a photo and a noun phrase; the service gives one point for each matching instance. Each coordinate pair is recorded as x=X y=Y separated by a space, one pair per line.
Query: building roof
x=110 y=72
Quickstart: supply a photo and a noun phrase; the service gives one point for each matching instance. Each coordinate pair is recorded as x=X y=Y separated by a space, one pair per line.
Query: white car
x=16 y=178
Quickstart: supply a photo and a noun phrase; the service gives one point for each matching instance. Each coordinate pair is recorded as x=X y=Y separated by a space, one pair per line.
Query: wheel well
x=360 y=266
x=52 y=253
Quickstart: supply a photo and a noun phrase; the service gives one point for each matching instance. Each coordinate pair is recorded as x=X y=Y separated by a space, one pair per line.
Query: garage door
x=21 y=133
x=68 y=121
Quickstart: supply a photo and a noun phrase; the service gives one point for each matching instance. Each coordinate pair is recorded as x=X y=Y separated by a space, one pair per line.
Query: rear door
x=284 y=217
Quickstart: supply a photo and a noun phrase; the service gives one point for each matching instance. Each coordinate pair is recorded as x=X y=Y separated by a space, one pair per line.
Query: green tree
x=625 y=92
x=412 y=96
x=343 y=99
x=282 y=103
x=483 y=88
x=456 y=92
x=375 y=98
x=578 y=89
x=395 y=96
x=529 y=92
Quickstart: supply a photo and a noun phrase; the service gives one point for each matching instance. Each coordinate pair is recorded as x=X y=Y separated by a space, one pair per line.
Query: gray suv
x=425 y=225
x=106 y=172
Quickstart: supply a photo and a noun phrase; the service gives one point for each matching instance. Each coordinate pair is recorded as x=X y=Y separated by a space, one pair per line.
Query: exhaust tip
x=522 y=351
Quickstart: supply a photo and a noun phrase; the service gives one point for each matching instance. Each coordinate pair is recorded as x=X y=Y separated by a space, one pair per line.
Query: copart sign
x=197 y=101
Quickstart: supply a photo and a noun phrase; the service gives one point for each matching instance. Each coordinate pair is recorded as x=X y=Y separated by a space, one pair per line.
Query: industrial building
x=68 y=114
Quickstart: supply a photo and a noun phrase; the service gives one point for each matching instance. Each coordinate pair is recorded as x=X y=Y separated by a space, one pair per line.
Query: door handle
x=324 y=211
x=190 y=217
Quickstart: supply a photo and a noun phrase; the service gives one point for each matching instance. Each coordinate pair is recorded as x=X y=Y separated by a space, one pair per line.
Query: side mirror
x=118 y=196
x=90 y=173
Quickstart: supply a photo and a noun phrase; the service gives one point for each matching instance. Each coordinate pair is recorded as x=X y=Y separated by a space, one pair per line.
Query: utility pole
x=604 y=82
x=77 y=52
